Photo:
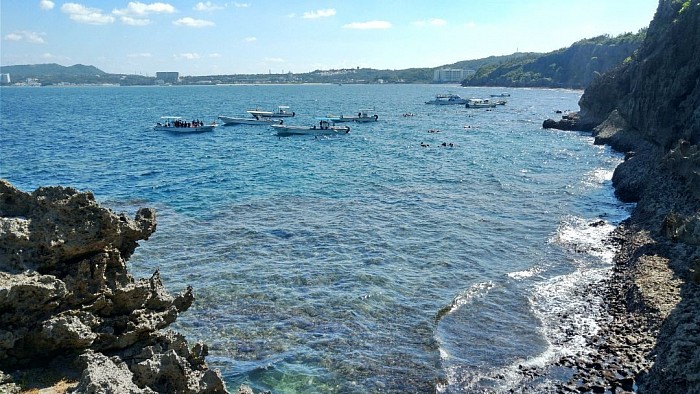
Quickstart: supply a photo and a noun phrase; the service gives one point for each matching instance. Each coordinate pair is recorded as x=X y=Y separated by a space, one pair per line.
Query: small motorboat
x=229 y=120
x=177 y=125
x=480 y=103
x=362 y=116
x=447 y=98
x=324 y=128
x=282 y=111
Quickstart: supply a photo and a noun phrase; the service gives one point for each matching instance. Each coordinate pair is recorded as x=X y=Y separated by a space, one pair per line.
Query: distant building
x=168 y=76
x=451 y=75
x=5 y=79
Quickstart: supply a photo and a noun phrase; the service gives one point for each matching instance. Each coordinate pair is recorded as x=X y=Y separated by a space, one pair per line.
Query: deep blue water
x=358 y=263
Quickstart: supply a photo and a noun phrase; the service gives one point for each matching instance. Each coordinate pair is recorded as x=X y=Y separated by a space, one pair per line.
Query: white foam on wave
x=569 y=313
x=585 y=236
x=528 y=273
x=598 y=176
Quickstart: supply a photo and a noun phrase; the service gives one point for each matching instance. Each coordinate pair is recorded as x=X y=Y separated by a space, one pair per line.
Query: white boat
x=229 y=120
x=362 y=116
x=323 y=128
x=176 y=124
x=282 y=111
x=447 y=98
x=480 y=103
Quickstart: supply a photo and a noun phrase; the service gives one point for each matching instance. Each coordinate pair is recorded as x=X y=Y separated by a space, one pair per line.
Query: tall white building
x=451 y=75
x=5 y=79
x=168 y=76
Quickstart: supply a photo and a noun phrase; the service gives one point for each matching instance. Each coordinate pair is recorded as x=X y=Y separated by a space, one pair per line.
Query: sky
x=269 y=36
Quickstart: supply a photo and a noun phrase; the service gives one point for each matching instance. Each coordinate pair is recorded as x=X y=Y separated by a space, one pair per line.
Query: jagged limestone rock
x=65 y=293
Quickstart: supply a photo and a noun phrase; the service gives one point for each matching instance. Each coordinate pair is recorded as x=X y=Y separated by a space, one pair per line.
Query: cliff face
x=650 y=109
x=69 y=305
x=572 y=67
x=658 y=93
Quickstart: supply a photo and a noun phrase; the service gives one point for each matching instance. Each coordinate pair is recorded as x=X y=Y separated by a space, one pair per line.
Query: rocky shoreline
x=72 y=316
x=649 y=108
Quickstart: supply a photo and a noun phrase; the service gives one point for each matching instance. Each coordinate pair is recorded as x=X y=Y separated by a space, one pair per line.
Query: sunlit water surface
x=357 y=263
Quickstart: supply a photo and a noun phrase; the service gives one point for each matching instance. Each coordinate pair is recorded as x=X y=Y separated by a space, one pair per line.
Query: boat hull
x=446 y=102
x=199 y=129
x=280 y=112
x=356 y=119
x=284 y=130
x=227 y=120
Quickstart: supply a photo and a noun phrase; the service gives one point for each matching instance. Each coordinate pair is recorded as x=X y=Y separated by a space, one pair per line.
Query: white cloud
x=13 y=37
x=46 y=4
x=141 y=9
x=431 y=22
x=214 y=55
x=127 y=20
x=319 y=14
x=207 y=6
x=368 y=25
x=81 y=14
x=250 y=39
x=138 y=55
x=241 y=5
x=23 y=35
x=188 y=56
x=191 y=22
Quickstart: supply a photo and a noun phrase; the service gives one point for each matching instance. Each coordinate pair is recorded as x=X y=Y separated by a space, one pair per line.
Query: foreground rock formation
x=649 y=108
x=70 y=310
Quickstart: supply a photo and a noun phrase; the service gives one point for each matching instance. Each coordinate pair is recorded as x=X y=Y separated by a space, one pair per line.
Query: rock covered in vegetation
x=572 y=67
x=68 y=303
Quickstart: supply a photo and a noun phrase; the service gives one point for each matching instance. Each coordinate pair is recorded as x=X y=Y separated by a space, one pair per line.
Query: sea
x=440 y=249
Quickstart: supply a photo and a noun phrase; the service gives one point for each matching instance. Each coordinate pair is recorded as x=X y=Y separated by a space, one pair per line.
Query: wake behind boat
x=176 y=124
x=323 y=128
x=228 y=120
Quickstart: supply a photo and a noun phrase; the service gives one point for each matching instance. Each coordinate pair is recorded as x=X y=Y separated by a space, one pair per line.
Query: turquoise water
x=347 y=264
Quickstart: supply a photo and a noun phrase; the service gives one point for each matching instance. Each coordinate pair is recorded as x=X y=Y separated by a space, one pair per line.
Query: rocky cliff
x=649 y=108
x=572 y=67
x=70 y=312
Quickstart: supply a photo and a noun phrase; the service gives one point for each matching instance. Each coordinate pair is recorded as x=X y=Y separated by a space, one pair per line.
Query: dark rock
x=572 y=121
x=65 y=292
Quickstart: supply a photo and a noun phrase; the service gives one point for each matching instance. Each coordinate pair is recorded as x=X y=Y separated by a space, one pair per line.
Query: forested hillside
x=572 y=67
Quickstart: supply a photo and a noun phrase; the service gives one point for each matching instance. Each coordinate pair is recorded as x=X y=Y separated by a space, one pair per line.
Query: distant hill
x=51 y=69
x=490 y=61
x=572 y=67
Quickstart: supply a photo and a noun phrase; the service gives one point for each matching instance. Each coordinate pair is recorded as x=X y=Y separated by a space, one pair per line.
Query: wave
x=477 y=290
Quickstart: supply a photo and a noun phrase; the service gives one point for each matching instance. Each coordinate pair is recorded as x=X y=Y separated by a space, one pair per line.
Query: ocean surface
x=359 y=263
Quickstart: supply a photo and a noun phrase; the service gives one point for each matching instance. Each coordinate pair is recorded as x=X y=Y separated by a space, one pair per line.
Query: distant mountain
x=51 y=70
x=572 y=67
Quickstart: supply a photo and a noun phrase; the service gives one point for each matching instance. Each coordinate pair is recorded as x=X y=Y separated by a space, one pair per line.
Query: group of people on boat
x=179 y=123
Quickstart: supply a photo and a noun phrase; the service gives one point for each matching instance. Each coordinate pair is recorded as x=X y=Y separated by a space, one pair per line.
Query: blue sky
x=261 y=36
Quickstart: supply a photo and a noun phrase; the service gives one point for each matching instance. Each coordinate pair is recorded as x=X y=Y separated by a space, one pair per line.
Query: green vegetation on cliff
x=572 y=67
